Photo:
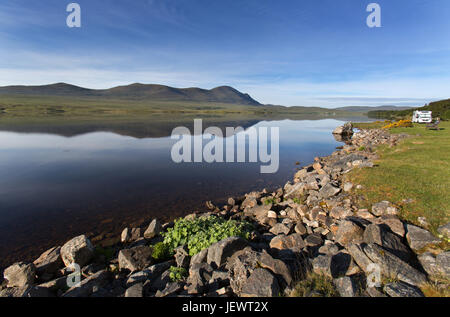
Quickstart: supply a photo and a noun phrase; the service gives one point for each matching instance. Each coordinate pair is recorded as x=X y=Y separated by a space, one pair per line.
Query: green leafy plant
x=177 y=274
x=199 y=233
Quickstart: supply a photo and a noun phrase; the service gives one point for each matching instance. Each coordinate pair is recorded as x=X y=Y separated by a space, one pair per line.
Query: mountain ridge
x=223 y=94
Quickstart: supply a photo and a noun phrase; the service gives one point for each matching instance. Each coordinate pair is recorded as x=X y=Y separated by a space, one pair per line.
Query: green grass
x=417 y=169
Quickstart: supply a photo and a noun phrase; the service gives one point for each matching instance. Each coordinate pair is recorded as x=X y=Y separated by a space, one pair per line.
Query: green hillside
x=439 y=108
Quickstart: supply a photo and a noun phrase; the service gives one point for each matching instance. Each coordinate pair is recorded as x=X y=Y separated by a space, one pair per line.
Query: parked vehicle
x=422 y=117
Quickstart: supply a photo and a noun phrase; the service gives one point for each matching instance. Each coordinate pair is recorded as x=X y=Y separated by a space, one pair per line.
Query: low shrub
x=399 y=124
x=162 y=252
x=315 y=285
x=199 y=233
x=178 y=274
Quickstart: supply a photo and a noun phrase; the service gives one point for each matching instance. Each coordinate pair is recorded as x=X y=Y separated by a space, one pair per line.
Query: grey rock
x=89 y=285
x=20 y=274
x=137 y=290
x=79 y=250
x=292 y=241
x=49 y=262
x=382 y=236
x=313 y=240
x=182 y=257
x=349 y=232
x=393 y=267
x=220 y=251
x=135 y=259
x=300 y=228
x=261 y=283
x=384 y=208
x=348 y=187
x=153 y=229
x=280 y=228
x=419 y=238
x=130 y=235
x=56 y=284
x=329 y=191
x=149 y=273
x=395 y=224
x=373 y=292
x=400 y=289
x=443 y=263
x=445 y=230
x=428 y=262
x=345 y=286
x=170 y=290
x=125 y=235
x=199 y=257
x=339 y=212
x=158 y=282
x=344 y=130
x=199 y=276
x=360 y=257
x=329 y=248
x=321 y=264
x=244 y=262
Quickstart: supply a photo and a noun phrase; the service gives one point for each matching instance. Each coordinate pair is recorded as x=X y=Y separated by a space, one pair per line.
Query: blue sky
x=306 y=53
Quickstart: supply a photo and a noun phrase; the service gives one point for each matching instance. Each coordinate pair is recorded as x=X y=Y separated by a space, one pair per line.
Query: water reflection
x=53 y=187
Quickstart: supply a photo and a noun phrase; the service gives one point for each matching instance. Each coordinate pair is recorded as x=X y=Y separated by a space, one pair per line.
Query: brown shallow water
x=54 y=187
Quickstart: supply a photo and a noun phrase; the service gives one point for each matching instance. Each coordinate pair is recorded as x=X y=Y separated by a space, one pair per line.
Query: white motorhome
x=422 y=117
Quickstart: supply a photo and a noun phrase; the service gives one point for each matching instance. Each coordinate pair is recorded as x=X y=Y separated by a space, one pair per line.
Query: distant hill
x=367 y=109
x=439 y=108
x=223 y=94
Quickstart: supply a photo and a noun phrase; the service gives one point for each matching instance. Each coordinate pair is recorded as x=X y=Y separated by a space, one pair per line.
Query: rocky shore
x=313 y=225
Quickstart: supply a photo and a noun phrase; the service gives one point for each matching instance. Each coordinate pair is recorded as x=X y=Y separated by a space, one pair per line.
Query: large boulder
x=438 y=266
x=345 y=130
x=395 y=224
x=360 y=257
x=419 y=238
x=20 y=274
x=328 y=191
x=382 y=236
x=79 y=250
x=349 y=232
x=49 y=262
x=393 y=267
x=261 y=283
x=245 y=262
x=135 y=259
x=220 y=251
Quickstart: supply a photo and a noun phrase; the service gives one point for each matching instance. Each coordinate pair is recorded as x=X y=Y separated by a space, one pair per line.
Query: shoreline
x=311 y=225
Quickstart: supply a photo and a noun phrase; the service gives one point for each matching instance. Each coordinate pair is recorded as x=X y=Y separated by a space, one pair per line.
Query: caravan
x=422 y=117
